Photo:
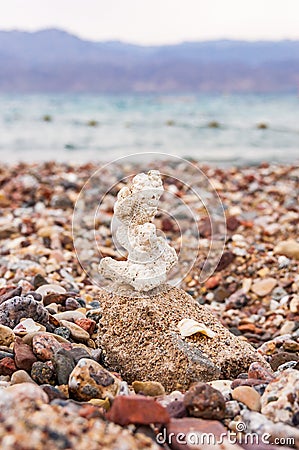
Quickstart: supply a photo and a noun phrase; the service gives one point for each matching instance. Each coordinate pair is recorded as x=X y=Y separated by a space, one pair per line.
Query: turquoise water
x=175 y=124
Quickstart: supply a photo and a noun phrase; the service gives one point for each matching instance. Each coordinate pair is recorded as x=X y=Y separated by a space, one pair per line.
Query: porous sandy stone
x=141 y=340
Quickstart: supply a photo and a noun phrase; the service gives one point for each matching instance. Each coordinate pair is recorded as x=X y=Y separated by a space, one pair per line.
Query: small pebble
x=248 y=396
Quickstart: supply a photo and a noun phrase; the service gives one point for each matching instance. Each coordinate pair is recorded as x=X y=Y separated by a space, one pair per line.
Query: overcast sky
x=157 y=21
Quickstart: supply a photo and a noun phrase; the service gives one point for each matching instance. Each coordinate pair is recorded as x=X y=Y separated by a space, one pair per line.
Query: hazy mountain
x=53 y=61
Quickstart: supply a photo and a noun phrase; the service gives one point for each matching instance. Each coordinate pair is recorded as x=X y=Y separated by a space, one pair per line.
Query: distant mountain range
x=55 y=61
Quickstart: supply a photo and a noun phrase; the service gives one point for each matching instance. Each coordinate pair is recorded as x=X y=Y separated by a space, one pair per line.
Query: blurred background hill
x=53 y=60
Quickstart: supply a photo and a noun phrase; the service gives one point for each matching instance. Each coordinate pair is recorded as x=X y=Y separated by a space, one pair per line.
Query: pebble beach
x=59 y=388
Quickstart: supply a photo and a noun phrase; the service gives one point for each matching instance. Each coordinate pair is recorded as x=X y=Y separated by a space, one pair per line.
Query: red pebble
x=87 y=325
x=213 y=282
x=137 y=409
x=7 y=366
x=24 y=356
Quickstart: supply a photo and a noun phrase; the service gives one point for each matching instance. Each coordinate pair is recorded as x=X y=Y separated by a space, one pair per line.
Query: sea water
x=222 y=129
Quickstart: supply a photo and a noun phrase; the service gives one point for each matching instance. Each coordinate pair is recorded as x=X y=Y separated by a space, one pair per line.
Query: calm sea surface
x=92 y=127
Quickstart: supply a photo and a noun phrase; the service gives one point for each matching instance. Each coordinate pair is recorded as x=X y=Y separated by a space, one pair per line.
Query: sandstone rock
x=90 y=380
x=24 y=356
x=137 y=409
x=280 y=400
x=249 y=396
x=141 y=341
x=6 y=336
x=203 y=401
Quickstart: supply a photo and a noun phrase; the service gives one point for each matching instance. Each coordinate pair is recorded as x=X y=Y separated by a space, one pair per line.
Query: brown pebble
x=202 y=400
x=249 y=396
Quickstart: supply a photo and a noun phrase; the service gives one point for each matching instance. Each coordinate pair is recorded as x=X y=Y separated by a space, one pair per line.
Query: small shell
x=49 y=288
x=26 y=326
x=188 y=327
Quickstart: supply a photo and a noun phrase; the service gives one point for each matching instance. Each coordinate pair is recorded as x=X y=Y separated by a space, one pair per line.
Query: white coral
x=149 y=257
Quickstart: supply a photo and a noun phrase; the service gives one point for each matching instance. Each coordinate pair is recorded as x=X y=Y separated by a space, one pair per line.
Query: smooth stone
x=100 y=403
x=249 y=396
x=38 y=281
x=50 y=288
x=17 y=308
x=64 y=364
x=76 y=331
x=27 y=391
x=264 y=286
x=224 y=386
x=43 y=373
x=281 y=358
x=6 y=355
x=10 y=294
x=137 y=409
x=24 y=356
x=280 y=400
x=289 y=248
x=21 y=376
x=294 y=304
x=69 y=315
x=6 y=335
x=44 y=346
x=151 y=388
x=56 y=298
x=203 y=401
x=28 y=338
x=149 y=323
x=71 y=304
x=90 y=380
